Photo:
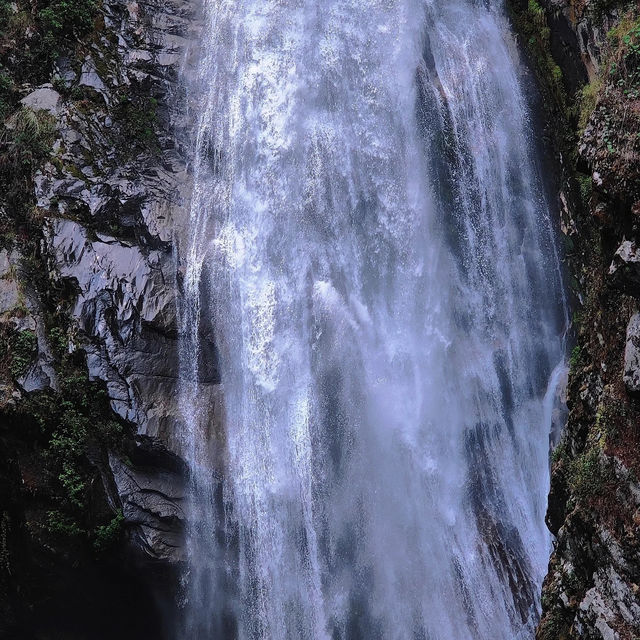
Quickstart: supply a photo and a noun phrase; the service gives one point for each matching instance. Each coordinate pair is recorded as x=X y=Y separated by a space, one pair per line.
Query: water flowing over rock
x=370 y=246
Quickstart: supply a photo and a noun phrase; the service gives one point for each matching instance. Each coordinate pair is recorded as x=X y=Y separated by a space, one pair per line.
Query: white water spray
x=371 y=247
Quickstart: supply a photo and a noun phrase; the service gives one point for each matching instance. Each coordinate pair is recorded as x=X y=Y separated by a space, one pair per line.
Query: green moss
x=138 y=116
x=588 y=474
x=576 y=357
x=531 y=23
x=586 y=188
x=619 y=69
x=554 y=626
x=588 y=101
x=559 y=453
x=611 y=415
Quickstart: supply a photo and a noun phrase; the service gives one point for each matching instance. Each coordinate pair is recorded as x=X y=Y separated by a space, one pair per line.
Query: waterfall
x=370 y=246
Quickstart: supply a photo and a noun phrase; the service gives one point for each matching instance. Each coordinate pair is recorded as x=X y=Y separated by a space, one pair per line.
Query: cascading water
x=370 y=244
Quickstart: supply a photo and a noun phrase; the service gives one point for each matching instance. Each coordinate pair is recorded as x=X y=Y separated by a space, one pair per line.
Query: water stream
x=371 y=247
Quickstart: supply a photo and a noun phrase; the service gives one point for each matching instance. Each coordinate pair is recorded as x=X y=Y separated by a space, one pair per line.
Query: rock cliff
x=93 y=174
x=586 y=54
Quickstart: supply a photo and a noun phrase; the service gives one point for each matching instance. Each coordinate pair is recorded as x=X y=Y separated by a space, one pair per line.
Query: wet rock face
x=126 y=310
x=152 y=496
x=624 y=272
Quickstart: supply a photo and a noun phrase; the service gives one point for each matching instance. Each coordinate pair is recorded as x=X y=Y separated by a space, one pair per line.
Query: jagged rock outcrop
x=152 y=498
x=624 y=272
x=109 y=194
x=126 y=312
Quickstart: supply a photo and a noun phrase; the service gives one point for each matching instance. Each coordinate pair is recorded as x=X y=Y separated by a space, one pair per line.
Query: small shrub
x=138 y=116
x=71 y=436
x=531 y=22
x=23 y=350
x=59 y=341
x=586 y=189
x=587 y=477
x=576 y=356
x=559 y=452
x=6 y=92
x=61 y=524
x=74 y=484
x=63 y=21
x=105 y=536
x=588 y=101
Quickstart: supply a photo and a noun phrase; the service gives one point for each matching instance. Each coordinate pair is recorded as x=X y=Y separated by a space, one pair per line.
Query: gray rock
x=631 y=372
x=122 y=269
x=45 y=98
x=9 y=290
x=36 y=379
x=625 y=268
x=152 y=505
x=89 y=77
x=126 y=309
x=64 y=72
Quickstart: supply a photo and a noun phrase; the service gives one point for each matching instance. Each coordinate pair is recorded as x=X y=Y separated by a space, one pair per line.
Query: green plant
x=23 y=147
x=22 y=350
x=59 y=341
x=138 y=116
x=6 y=93
x=105 y=536
x=59 y=523
x=65 y=20
x=559 y=452
x=586 y=189
x=73 y=482
x=588 y=101
x=531 y=22
x=574 y=360
x=72 y=421
x=554 y=626
x=587 y=476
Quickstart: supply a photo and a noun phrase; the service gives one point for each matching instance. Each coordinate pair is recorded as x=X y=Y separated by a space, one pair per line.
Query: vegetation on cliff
x=587 y=59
